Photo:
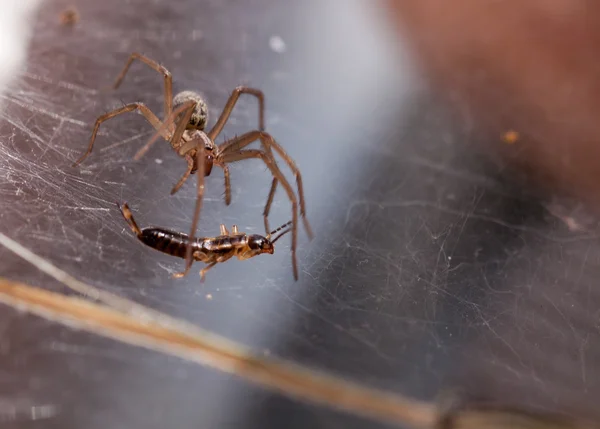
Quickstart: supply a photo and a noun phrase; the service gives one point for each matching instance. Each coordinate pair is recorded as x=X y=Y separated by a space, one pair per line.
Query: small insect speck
x=69 y=17
x=510 y=137
x=277 y=44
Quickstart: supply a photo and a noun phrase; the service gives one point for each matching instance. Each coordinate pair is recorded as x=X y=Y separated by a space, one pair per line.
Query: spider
x=186 y=116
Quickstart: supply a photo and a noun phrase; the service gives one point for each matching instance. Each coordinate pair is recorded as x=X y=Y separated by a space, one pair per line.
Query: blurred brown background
x=530 y=66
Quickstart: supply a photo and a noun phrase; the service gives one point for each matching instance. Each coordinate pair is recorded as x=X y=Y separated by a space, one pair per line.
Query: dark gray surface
x=432 y=267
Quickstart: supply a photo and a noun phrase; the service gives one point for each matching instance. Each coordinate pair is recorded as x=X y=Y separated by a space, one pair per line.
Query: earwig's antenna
x=282 y=234
x=278 y=229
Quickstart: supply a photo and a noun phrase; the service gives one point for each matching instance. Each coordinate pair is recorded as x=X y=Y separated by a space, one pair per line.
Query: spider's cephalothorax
x=186 y=117
x=188 y=146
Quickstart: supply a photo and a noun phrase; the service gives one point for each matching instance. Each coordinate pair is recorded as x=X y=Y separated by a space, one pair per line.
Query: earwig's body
x=210 y=250
x=204 y=249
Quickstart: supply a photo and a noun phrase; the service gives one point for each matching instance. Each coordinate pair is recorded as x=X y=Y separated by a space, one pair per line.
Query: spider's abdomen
x=199 y=118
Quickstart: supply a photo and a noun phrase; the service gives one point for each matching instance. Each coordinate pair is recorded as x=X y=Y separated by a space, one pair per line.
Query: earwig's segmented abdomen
x=169 y=242
x=174 y=243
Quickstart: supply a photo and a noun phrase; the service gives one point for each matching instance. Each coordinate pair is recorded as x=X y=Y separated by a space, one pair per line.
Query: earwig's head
x=259 y=244
x=199 y=118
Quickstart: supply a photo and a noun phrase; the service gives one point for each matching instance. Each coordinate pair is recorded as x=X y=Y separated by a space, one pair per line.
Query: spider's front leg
x=224 y=117
x=199 y=197
x=267 y=158
x=235 y=145
x=145 y=111
x=269 y=142
x=198 y=143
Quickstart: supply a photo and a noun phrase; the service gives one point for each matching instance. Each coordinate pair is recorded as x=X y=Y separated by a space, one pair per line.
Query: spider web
x=425 y=256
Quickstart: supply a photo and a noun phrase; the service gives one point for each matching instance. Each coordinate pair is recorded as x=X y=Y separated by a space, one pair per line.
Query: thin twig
x=130 y=323
x=134 y=324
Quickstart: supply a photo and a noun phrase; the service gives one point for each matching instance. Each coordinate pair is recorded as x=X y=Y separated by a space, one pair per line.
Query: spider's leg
x=154 y=65
x=227 y=184
x=190 y=162
x=199 y=197
x=145 y=111
x=185 y=271
x=268 y=204
x=269 y=142
x=233 y=98
x=231 y=146
x=227 y=181
x=245 y=140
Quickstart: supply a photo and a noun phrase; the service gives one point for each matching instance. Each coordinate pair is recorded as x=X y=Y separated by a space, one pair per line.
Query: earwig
x=210 y=250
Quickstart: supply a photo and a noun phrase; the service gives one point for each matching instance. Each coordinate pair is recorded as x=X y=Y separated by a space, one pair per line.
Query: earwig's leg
x=167 y=127
x=150 y=117
x=199 y=198
x=184 y=272
x=235 y=230
x=233 y=98
x=129 y=218
x=223 y=229
x=269 y=162
x=268 y=205
x=154 y=65
x=205 y=269
x=185 y=176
